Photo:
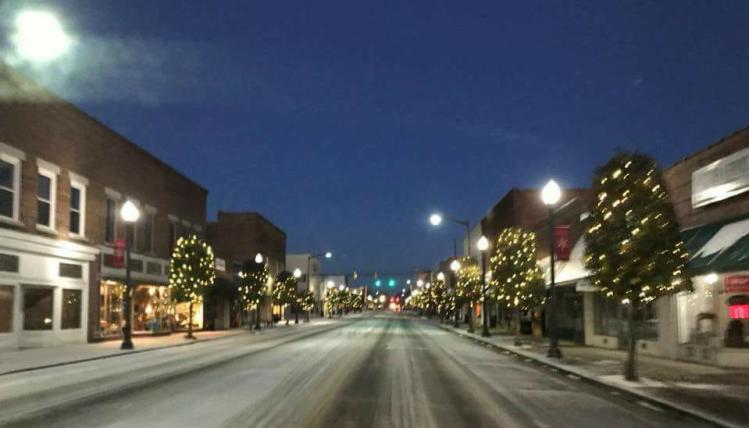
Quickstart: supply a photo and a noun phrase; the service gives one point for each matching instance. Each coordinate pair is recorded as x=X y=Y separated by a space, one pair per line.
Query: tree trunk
x=296 y=314
x=517 y=327
x=630 y=368
x=189 y=324
x=257 y=316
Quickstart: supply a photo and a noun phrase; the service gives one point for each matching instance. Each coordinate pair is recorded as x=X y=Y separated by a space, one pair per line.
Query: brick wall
x=43 y=126
x=679 y=184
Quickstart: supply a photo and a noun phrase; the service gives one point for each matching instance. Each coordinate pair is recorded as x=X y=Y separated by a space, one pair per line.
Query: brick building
x=239 y=237
x=63 y=178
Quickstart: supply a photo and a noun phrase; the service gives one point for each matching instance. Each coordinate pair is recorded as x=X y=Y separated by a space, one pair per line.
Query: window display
x=71 y=309
x=37 y=308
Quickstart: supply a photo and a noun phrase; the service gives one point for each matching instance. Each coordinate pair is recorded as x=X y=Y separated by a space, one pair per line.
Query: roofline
x=721 y=140
x=90 y=117
x=255 y=213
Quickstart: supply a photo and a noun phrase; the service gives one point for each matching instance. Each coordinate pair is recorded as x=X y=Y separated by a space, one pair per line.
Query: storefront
x=44 y=287
x=154 y=312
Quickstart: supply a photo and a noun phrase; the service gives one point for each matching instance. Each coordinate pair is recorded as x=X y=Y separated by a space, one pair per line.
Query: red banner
x=562 y=244
x=118 y=261
x=736 y=284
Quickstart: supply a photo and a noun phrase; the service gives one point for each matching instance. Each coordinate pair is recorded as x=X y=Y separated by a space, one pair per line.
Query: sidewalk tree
x=516 y=279
x=437 y=297
x=306 y=302
x=191 y=273
x=253 y=280
x=284 y=290
x=468 y=286
x=634 y=252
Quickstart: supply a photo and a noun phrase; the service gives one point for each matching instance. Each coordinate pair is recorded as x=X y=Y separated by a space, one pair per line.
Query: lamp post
x=327 y=255
x=39 y=36
x=437 y=219
x=455 y=267
x=550 y=195
x=129 y=213
x=483 y=245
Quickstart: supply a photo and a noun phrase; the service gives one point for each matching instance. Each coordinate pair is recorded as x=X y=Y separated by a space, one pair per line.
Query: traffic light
x=391 y=282
x=378 y=283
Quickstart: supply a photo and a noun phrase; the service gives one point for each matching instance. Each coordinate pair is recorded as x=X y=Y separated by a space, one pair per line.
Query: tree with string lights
x=437 y=293
x=634 y=251
x=253 y=280
x=516 y=279
x=284 y=290
x=306 y=302
x=191 y=273
x=468 y=286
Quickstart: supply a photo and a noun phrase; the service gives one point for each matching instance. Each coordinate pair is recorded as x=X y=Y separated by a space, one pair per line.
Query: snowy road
x=385 y=370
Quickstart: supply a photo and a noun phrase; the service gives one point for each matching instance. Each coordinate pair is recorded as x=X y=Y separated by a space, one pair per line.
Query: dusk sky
x=346 y=123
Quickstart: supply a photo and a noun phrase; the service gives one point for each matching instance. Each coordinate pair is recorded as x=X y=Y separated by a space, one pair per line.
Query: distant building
x=237 y=238
x=311 y=278
x=63 y=178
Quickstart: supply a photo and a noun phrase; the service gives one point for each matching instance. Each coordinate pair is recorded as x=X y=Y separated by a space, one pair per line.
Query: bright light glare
x=435 y=219
x=419 y=283
x=328 y=255
x=330 y=284
x=482 y=244
x=129 y=212
x=455 y=265
x=258 y=258
x=711 y=278
x=297 y=273
x=441 y=276
x=39 y=36
x=551 y=193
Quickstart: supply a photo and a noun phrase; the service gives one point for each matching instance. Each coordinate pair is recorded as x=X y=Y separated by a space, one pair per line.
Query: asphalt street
x=383 y=370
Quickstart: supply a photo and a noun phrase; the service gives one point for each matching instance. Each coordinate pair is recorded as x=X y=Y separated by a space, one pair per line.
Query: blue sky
x=347 y=123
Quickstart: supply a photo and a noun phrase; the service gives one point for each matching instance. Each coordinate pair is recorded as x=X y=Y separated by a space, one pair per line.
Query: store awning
x=569 y=271
x=718 y=247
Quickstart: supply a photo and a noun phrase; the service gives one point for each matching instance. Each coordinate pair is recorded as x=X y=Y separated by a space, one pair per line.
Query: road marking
x=649 y=406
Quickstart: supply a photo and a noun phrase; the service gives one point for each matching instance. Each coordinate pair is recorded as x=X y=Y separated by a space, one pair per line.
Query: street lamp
x=441 y=276
x=39 y=36
x=483 y=245
x=455 y=267
x=129 y=213
x=258 y=258
x=550 y=195
x=436 y=220
x=327 y=255
x=297 y=273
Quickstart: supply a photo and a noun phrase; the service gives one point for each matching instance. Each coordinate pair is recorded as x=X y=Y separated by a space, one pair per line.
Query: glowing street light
x=455 y=265
x=328 y=255
x=129 y=213
x=419 y=283
x=297 y=273
x=441 y=276
x=330 y=284
x=550 y=195
x=435 y=219
x=483 y=245
x=39 y=36
x=258 y=258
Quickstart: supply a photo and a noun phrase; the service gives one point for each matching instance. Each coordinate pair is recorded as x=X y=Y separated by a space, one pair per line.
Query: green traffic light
x=378 y=283
x=391 y=282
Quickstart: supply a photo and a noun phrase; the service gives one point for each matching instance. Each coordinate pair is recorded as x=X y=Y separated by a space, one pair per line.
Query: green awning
x=718 y=247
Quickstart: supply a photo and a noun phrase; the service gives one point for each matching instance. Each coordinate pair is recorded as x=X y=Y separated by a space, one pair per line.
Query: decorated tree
x=516 y=279
x=284 y=290
x=253 y=280
x=634 y=252
x=437 y=292
x=306 y=302
x=191 y=273
x=468 y=286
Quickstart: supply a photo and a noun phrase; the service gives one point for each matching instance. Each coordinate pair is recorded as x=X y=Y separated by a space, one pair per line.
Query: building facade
x=311 y=278
x=63 y=179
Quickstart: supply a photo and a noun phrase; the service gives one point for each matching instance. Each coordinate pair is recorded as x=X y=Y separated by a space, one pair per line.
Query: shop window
x=8 y=263
x=182 y=315
x=71 y=309
x=110 y=226
x=607 y=318
x=697 y=320
x=37 y=308
x=110 y=308
x=6 y=308
x=151 y=307
x=172 y=236
x=737 y=330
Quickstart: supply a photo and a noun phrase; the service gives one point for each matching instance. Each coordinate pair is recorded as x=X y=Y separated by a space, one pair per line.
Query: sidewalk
x=37 y=358
x=712 y=393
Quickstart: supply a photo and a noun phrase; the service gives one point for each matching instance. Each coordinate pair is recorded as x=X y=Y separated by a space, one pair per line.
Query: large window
x=110 y=227
x=607 y=317
x=172 y=236
x=77 y=205
x=6 y=308
x=37 y=308
x=110 y=308
x=45 y=200
x=8 y=188
x=71 y=309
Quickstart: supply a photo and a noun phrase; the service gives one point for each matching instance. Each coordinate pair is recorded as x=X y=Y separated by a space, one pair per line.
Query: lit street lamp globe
x=551 y=193
x=39 y=36
x=341 y=287
x=441 y=276
x=435 y=219
x=330 y=284
x=482 y=244
x=129 y=212
x=455 y=265
x=328 y=255
x=297 y=273
x=419 y=283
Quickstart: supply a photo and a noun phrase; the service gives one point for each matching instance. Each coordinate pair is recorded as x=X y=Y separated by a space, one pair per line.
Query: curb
x=679 y=408
x=120 y=354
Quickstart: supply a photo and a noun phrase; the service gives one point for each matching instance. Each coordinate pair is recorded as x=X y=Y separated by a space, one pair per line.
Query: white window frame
x=80 y=183
x=14 y=157
x=50 y=171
